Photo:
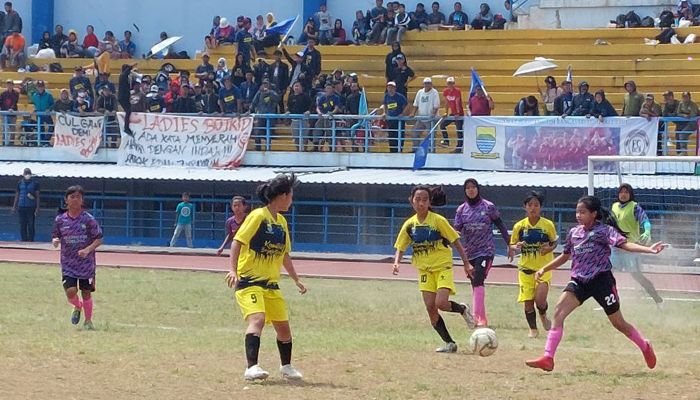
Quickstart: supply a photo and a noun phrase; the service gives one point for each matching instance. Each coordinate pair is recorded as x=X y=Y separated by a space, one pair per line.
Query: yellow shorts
x=255 y=299
x=528 y=285
x=431 y=281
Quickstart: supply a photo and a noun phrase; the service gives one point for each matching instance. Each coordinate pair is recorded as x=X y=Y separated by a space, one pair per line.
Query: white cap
x=391 y=83
x=451 y=79
x=427 y=80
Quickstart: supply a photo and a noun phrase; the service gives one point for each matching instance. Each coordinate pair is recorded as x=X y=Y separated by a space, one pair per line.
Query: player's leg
x=70 y=286
x=541 y=292
x=481 y=267
x=251 y=301
x=526 y=281
x=276 y=312
x=446 y=288
x=86 y=294
x=429 y=299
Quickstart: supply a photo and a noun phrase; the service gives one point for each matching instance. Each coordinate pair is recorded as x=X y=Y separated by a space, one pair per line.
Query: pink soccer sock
x=553 y=338
x=87 y=305
x=637 y=338
x=478 y=294
x=75 y=301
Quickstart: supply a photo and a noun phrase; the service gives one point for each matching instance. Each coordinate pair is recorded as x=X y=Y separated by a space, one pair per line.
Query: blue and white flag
x=282 y=28
x=476 y=82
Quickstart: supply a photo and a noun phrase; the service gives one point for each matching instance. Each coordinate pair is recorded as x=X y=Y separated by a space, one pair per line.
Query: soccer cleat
x=88 y=326
x=289 y=372
x=533 y=333
x=254 y=373
x=650 y=356
x=75 y=317
x=467 y=315
x=447 y=348
x=544 y=363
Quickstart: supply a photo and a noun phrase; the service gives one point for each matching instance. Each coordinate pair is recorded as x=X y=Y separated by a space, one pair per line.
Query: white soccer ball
x=483 y=342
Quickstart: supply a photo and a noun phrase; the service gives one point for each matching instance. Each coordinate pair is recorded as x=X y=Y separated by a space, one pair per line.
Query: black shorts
x=602 y=288
x=82 y=284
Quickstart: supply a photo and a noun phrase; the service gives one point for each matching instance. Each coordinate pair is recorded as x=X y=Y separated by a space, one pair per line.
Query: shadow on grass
x=301 y=384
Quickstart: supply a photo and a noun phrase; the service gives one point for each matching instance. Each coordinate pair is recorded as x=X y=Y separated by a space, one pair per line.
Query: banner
x=553 y=143
x=78 y=135
x=173 y=140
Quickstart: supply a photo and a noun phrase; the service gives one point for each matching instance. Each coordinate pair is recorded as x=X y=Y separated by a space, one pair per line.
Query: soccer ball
x=483 y=342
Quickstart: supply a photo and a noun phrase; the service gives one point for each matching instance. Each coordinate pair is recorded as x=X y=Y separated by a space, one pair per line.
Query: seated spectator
x=685 y=10
x=210 y=41
x=203 y=70
x=13 y=51
x=222 y=71
x=308 y=32
x=582 y=102
x=390 y=24
x=82 y=104
x=419 y=19
x=323 y=20
x=484 y=18
x=650 y=109
x=550 y=94
x=402 y=75
x=90 y=42
x=686 y=109
x=80 y=82
x=527 y=107
x=632 y=102
x=229 y=98
x=162 y=79
x=137 y=98
x=110 y=45
x=259 y=28
x=338 y=37
x=45 y=42
x=239 y=70
x=102 y=81
x=267 y=39
x=224 y=35
x=127 y=47
x=480 y=104
x=564 y=102
x=185 y=104
x=378 y=17
x=400 y=26
x=360 y=28
x=436 y=18
x=390 y=61
x=64 y=104
x=57 y=40
x=70 y=48
x=458 y=18
x=248 y=91
x=601 y=107
x=264 y=102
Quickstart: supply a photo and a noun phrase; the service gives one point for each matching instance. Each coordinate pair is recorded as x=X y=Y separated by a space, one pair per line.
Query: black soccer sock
x=285 y=349
x=442 y=330
x=543 y=310
x=456 y=308
x=531 y=318
x=252 y=348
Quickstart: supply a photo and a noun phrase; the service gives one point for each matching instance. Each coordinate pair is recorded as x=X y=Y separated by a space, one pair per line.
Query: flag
x=570 y=75
x=421 y=155
x=476 y=82
x=282 y=28
x=363 y=109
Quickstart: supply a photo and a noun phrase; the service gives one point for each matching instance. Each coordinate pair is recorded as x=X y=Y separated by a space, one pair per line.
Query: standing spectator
x=279 y=78
x=632 y=103
x=299 y=103
x=13 y=22
x=264 y=102
x=57 y=40
x=186 y=104
x=458 y=18
x=549 y=94
x=436 y=18
x=650 y=109
x=326 y=106
x=64 y=104
x=669 y=110
x=527 y=106
x=234 y=222
x=378 y=17
x=203 y=70
x=338 y=36
x=686 y=109
x=154 y=101
x=454 y=110
x=183 y=220
x=602 y=107
x=323 y=20
x=90 y=41
x=240 y=69
x=564 y=102
x=420 y=18
x=127 y=46
x=311 y=64
x=261 y=70
x=107 y=104
x=390 y=60
x=394 y=105
x=244 y=41
x=171 y=97
x=360 y=28
x=229 y=98
x=102 y=81
x=248 y=91
x=210 y=99
x=70 y=48
x=26 y=204
x=43 y=102
x=425 y=106
x=400 y=26
x=480 y=104
x=13 y=51
x=352 y=102
x=583 y=101
x=402 y=75
x=309 y=32
x=80 y=81
x=126 y=100
x=8 y=103
x=267 y=39
x=484 y=18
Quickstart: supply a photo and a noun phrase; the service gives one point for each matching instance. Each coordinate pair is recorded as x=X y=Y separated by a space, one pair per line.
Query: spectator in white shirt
x=425 y=107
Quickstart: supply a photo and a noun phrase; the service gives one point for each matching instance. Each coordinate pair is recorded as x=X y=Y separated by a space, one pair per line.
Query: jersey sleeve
x=551 y=232
x=446 y=230
x=94 y=229
x=493 y=212
x=249 y=228
x=568 y=245
x=615 y=238
x=403 y=240
x=56 y=232
x=288 y=246
x=179 y=208
x=516 y=233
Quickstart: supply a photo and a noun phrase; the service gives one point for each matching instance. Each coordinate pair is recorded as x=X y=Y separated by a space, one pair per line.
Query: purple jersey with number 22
x=590 y=249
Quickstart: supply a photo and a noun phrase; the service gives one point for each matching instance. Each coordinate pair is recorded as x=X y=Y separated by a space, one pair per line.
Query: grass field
x=179 y=335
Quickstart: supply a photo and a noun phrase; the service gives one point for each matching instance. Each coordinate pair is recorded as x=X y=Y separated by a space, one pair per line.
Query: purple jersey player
x=588 y=246
x=238 y=207
x=474 y=220
x=79 y=235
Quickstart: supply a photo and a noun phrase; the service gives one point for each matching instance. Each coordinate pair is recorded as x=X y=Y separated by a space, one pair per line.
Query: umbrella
x=158 y=47
x=533 y=67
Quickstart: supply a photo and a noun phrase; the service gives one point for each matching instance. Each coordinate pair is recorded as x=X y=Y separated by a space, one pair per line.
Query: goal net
x=668 y=190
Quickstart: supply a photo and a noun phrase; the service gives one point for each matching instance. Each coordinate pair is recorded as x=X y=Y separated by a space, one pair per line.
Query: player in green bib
x=632 y=219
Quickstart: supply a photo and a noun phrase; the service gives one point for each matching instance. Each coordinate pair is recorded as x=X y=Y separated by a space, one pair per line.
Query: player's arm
x=503 y=229
x=91 y=247
x=554 y=264
x=513 y=245
x=289 y=267
x=221 y=248
x=232 y=276
x=14 y=204
x=397 y=261
x=644 y=222
x=656 y=248
x=468 y=268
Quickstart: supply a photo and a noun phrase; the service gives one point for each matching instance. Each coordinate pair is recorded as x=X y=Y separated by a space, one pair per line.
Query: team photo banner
x=171 y=140
x=80 y=136
x=553 y=143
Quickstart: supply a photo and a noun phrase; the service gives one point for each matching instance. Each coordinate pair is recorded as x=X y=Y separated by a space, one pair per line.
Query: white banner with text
x=77 y=135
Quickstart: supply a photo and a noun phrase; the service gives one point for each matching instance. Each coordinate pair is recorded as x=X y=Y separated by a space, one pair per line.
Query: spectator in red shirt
x=171 y=97
x=91 y=40
x=454 y=110
x=480 y=104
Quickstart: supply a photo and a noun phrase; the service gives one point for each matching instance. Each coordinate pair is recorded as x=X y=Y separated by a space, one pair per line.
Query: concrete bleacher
x=494 y=54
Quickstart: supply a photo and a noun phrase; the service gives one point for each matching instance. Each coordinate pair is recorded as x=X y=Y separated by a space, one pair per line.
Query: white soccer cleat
x=533 y=333
x=447 y=348
x=255 y=373
x=468 y=317
x=289 y=372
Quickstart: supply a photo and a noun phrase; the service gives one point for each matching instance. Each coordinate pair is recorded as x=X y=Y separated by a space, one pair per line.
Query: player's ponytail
x=281 y=184
x=436 y=194
x=593 y=204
